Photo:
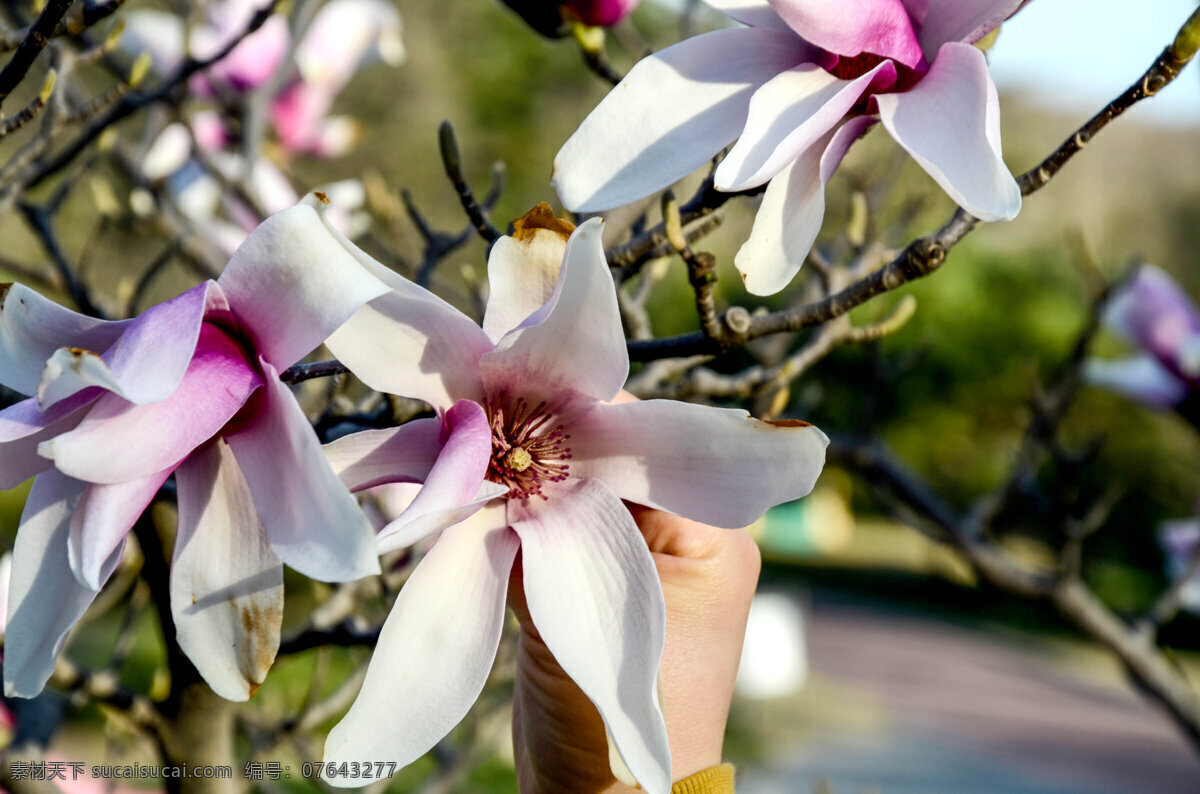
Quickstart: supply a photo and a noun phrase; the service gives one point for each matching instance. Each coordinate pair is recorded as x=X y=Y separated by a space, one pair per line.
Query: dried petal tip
x=321 y=197
x=786 y=422
x=541 y=217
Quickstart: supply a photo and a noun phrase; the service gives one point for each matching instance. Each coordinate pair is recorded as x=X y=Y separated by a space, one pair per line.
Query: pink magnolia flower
x=530 y=453
x=190 y=387
x=796 y=88
x=1153 y=313
x=548 y=16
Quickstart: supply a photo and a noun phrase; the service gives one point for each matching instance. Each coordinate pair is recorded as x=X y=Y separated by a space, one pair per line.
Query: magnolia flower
x=1153 y=313
x=189 y=387
x=548 y=16
x=344 y=36
x=796 y=88
x=530 y=454
x=1180 y=541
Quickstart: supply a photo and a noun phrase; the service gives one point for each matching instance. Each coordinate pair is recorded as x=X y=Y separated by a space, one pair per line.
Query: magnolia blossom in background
x=344 y=36
x=1153 y=313
x=1180 y=541
x=548 y=17
x=190 y=388
x=796 y=88
x=530 y=453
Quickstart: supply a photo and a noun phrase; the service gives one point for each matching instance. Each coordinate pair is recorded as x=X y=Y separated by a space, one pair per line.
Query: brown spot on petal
x=254 y=689
x=541 y=217
x=786 y=422
x=4 y=288
x=321 y=197
x=261 y=624
x=79 y=351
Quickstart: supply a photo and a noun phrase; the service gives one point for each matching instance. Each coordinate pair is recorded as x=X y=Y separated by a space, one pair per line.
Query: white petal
x=594 y=595
x=792 y=209
x=950 y=124
x=100 y=523
x=523 y=270
x=435 y=650
x=314 y=524
x=962 y=20
x=293 y=282
x=672 y=112
x=572 y=350
x=755 y=13
x=32 y=328
x=1139 y=378
x=790 y=115
x=23 y=428
x=226 y=584
x=45 y=600
x=395 y=454
x=719 y=466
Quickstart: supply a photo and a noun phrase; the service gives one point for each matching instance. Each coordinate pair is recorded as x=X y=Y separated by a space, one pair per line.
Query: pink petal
x=296 y=114
x=452 y=489
x=22 y=430
x=522 y=274
x=33 y=327
x=594 y=595
x=950 y=124
x=314 y=524
x=156 y=437
x=45 y=599
x=601 y=12
x=571 y=351
x=293 y=282
x=226 y=584
x=397 y=454
x=963 y=20
x=851 y=27
x=716 y=465
x=672 y=112
x=793 y=207
x=755 y=13
x=344 y=36
x=100 y=523
x=1153 y=312
x=147 y=362
x=789 y=114
x=435 y=651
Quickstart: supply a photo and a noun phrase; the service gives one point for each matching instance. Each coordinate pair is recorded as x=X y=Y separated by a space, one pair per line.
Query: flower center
x=849 y=67
x=527 y=450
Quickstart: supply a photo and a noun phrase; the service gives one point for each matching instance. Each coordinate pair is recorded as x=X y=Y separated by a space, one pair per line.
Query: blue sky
x=1077 y=54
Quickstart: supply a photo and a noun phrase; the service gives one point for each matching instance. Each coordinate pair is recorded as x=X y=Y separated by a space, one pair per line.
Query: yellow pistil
x=518 y=459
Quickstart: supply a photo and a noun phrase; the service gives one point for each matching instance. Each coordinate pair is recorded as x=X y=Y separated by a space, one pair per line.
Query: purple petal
x=314 y=524
x=851 y=27
x=950 y=124
x=792 y=209
x=594 y=595
x=1153 y=312
x=100 y=523
x=790 y=114
x=715 y=465
x=672 y=112
x=570 y=352
x=293 y=282
x=33 y=327
x=226 y=584
x=45 y=599
x=156 y=437
x=436 y=648
x=962 y=20
x=22 y=430
x=452 y=489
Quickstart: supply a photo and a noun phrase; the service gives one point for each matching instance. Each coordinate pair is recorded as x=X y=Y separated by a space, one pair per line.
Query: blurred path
x=972 y=712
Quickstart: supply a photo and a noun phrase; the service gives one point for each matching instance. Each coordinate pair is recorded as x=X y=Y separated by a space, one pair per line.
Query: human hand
x=708 y=577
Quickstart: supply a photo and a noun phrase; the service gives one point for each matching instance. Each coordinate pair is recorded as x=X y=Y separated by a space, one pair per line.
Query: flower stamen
x=527 y=450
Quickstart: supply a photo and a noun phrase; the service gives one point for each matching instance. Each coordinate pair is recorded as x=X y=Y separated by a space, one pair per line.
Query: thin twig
x=31 y=46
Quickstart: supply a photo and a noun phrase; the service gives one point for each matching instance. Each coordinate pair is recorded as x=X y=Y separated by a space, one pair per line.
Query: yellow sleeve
x=714 y=780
